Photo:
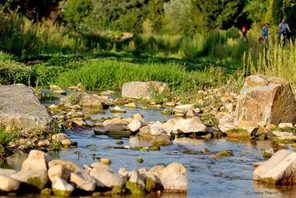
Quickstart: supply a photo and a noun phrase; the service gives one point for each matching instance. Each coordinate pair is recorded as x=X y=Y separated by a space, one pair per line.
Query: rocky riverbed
x=214 y=139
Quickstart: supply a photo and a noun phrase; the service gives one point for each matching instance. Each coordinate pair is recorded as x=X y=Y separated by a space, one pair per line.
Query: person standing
x=265 y=32
x=284 y=30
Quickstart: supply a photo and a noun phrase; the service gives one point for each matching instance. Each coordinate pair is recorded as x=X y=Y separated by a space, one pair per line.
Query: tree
x=220 y=13
x=74 y=11
x=33 y=9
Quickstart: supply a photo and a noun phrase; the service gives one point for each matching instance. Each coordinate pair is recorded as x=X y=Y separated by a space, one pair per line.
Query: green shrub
x=7 y=136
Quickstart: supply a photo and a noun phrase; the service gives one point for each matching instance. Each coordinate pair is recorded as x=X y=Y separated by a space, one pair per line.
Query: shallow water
x=208 y=177
x=227 y=177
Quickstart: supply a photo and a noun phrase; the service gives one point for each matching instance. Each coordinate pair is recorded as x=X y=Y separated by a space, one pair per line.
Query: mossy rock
x=105 y=161
x=154 y=148
x=62 y=193
x=46 y=191
x=118 y=190
x=209 y=119
x=160 y=143
x=238 y=133
x=167 y=112
x=135 y=188
x=140 y=160
x=37 y=182
x=283 y=141
x=119 y=142
x=190 y=152
x=221 y=154
x=266 y=154
x=150 y=184
x=137 y=148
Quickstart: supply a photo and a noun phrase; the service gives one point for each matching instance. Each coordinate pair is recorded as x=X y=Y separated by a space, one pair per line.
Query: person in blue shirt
x=263 y=39
x=284 y=30
x=265 y=31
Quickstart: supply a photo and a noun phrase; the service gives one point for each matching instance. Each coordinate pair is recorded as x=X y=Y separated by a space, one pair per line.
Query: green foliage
x=219 y=13
x=111 y=74
x=274 y=61
x=7 y=136
x=74 y=11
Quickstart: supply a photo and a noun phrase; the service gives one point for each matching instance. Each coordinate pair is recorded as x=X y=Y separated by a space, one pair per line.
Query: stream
x=208 y=177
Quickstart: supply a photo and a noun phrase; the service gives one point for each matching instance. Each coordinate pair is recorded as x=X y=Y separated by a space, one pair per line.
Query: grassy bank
x=106 y=74
x=276 y=60
x=110 y=71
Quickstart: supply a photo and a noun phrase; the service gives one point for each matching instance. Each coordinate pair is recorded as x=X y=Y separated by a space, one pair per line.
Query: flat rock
x=191 y=125
x=280 y=169
x=20 y=108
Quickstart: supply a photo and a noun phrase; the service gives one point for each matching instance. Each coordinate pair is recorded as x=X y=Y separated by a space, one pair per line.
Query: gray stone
x=20 y=108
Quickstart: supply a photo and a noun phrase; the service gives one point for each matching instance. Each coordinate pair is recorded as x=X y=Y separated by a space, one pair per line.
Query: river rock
x=285 y=125
x=8 y=184
x=34 y=169
x=20 y=108
x=183 y=109
x=157 y=128
x=174 y=177
x=268 y=99
x=68 y=165
x=83 y=181
x=226 y=123
x=60 y=187
x=143 y=89
x=106 y=178
x=35 y=177
x=191 y=125
x=137 y=178
x=284 y=135
x=36 y=160
x=85 y=100
x=58 y=171
x=135 y=125
x=280 y=169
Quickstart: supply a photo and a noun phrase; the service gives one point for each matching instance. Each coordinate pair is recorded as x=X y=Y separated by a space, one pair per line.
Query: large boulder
x=267 y=99
x=20 y=108
x=143 y=89
x=280 y=169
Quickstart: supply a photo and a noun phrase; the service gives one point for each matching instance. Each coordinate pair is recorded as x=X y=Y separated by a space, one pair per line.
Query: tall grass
x=20 y=36
x=274 y=61
x=7 y=136
x=106 y=74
